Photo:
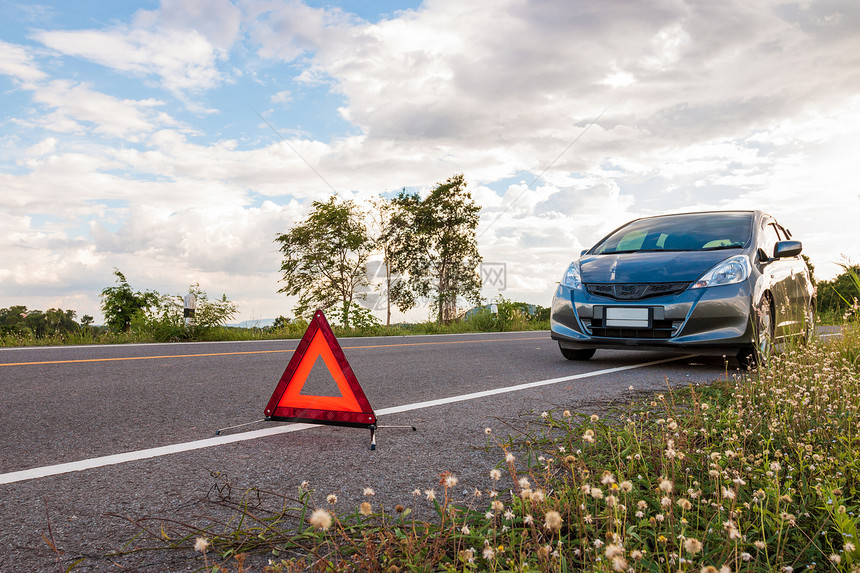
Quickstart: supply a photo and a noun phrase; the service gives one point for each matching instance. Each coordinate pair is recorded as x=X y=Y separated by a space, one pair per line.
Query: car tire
x=577 y=354
x=746 y=358
x=759 y=353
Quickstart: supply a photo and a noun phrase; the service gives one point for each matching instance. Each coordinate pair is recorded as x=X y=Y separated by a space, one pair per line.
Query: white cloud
x=231 y=239
x=42 y=148
x=80 y=109
x=16 y=61
x=282 y=97
x=461 y=73
x=183 y=59
x=39 y=258
x=619 y=79
x=219 y=21
x=284 y=30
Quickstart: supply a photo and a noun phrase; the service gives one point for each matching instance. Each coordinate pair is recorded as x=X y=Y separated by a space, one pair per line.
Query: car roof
x=757 y=214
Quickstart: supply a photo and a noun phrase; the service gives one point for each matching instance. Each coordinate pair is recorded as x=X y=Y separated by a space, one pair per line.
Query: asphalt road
x=73 y=405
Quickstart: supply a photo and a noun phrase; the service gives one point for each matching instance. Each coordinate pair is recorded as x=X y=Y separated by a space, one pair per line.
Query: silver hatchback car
x=720 y=282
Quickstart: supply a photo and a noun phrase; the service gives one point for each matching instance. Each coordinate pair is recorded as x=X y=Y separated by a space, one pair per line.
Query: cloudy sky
x=132 y=133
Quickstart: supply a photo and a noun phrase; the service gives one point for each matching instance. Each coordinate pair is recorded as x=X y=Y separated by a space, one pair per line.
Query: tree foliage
x=166 y=317
x=506 y=315
x=325 y=258
x=161 y=316
x=428 y=247
x=17 y=319
x=837 y=296
x=385 y=235
x=811 y=268
x=433 y=242
x=120 y=303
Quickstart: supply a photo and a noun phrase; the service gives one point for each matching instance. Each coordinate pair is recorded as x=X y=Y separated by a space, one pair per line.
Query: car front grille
x=633 y=291
x=661 y=329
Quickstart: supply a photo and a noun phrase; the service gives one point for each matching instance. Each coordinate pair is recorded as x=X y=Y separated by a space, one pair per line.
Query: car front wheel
x=576 y=354
x=760 y=353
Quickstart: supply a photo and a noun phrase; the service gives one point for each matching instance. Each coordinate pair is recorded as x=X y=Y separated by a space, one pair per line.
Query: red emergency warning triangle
x=288 y=404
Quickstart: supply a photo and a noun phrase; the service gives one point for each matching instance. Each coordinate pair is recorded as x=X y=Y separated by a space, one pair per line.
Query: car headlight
x=731 y=271
x=572 y=278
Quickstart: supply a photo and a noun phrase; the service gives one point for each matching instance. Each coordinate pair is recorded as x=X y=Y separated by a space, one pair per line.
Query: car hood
x=651 y=267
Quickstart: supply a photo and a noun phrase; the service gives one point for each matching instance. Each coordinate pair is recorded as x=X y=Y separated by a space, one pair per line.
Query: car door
x=799 y=287
x=777 y=274
x=805 y=290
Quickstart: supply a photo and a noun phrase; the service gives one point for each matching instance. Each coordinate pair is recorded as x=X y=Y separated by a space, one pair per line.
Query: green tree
x=12 y=319
x=281 y=323
x=120 y=303
x=35 y=323
x=836 y=296
x=434 y=244
x=385 y=235
x=19 y=320
x=60 y=321
x=325 y=258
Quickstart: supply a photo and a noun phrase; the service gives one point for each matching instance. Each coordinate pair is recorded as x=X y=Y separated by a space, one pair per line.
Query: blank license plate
x=627 y=317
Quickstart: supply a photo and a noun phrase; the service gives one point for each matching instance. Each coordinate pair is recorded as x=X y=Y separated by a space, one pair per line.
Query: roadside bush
x=839 y=299
x=509 y=316
x=164 y=320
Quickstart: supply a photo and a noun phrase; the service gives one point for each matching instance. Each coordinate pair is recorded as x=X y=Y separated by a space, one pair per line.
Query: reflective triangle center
x=320 y=382
x=293 y=396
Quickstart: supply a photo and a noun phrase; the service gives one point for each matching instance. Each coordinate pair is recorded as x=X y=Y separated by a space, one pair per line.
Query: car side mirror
x=784 y=249
x=583 y=252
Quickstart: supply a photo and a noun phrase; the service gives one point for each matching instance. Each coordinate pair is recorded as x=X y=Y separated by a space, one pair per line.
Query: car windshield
x=690 y=232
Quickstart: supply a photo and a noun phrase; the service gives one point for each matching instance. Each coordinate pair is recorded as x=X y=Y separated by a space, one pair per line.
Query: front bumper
x=713 y=320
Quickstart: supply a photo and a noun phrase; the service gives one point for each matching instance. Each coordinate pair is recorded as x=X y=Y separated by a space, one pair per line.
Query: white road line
x=526 y=386
x=46 y=471
x=91 y=463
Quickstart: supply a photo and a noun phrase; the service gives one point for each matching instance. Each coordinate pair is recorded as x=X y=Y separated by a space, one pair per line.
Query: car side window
x=783 y=235
x=768 y=239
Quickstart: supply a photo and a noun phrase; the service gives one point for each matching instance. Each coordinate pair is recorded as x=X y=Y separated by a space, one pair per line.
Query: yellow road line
x=257 y=352
x=136 y=358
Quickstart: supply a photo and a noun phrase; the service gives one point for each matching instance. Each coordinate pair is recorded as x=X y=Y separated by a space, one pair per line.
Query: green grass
x=754 y=472
x=483 y=322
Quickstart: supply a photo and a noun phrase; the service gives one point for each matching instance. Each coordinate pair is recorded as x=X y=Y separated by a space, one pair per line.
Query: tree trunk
x=387 y=294
x=440 y=317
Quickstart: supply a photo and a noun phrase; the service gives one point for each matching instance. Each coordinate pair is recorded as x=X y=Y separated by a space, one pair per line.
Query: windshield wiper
x=721 y=247
x=645 y=251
